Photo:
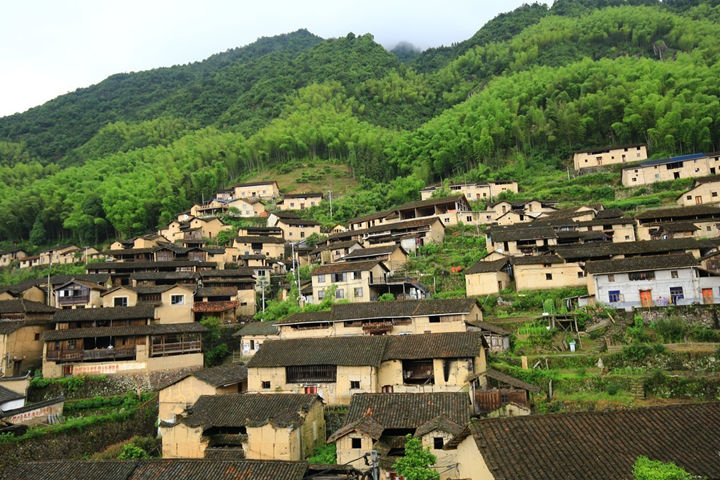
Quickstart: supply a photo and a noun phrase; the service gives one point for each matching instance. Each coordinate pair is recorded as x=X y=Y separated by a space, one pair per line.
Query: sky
x=52 y=47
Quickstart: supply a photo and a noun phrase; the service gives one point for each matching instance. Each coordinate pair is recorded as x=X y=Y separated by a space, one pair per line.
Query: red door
x=707 y=295
x=646 y=298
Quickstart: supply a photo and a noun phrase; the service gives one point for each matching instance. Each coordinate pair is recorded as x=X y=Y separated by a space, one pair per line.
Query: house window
x=714 y=194
x=611 y=278
x=387 y=389
x=356 y=443
x=311 y=373
x=311 y=390
x=438 y=443
x=321 y=294
x=321 y=278
x=266 y=384
x=689 y=197
x=580 y=274
x=358 y=292
x=641 y=276
x=120 y=301
x=340 y=293
x=469 y=218
x=418 y=372
x=548 y=276
x=708 y=228
x=676 y=294
x=434 y=319
x=37 y=337
x=177 y=299
x=673 y=274
x=614 y=296
x=302 y=234
x=354 y=384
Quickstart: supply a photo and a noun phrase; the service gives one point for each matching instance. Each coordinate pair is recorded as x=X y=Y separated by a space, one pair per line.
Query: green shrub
x=612 y=388
x=324 y=455
x=671 y=330
x=131 y=451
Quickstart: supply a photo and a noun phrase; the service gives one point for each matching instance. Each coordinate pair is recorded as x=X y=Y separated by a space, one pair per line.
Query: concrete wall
x=470 y=461
x=487 y=283
x=700 y=167
x=707 y=193
x=609 y=157
x=337 y=393
x=534 y=277
x=21 y=350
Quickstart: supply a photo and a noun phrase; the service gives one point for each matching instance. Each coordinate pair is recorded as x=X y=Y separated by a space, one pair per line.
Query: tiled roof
x=536 y=259
x=10 y=326
x=215 y=307
x=86 y=277
x=229 y=272
x=609 y=249
x=435 y=345
x=370 y=310
x=253 y=184
x=346 y=267
x=371 y=252
x=406 y=224
x=634 y=264
x=370 y=216
x=75 y=469
x=367 y=351
x=708 y=179
x=163 y=276
x=115 y=313
x=157 y=329
x=663 y=161
x=148 y=265
x=348 y=351
x=302 y=195
x=257 y=328
x=600 y=445
x=609 y=213
x=299 y=222
x=430 y=202
x=514 y=233
x=216 y=292
x=222 y=375
x=675 y=227
x=259 y=239
x=487 y=266
x=609 y=147
x=335 y=246
x=7 y=395
x=678 y=212
x=405 y=411
x=248 y=409
x=505 y=378
x=24 y=306
x=491 y=328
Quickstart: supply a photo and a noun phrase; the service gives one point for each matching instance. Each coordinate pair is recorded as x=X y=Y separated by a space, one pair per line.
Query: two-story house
x=697 y=220
x=22 y=324
x=705 y=190
x=119 y=340
x=300 y=201
x=273 y=427
x=665 y=169
x=611 y=155
x=354 y=281
x=380 y=422
x=473 y=191
x=78 y=294
x=338 y=367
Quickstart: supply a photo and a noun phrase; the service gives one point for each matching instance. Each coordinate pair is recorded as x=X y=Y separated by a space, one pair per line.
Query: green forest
x=124 y=156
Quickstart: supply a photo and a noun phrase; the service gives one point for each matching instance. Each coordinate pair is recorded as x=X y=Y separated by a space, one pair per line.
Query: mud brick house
x=338 y=367
x=263 y=427
x=665 y=169
x=382 y=318
x=22 y=324
x=473 y=191
x=380 y=421
x=119 y=340
x=696 y=220
x=590 y=445
x=611 y=155
x=181 y=394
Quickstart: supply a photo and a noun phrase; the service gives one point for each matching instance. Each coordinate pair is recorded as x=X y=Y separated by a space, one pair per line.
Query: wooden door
x=698 y=199
x=646 y=298
x=707 y=295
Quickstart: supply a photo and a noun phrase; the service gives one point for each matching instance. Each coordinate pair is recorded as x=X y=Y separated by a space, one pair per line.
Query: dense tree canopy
x=126 y=155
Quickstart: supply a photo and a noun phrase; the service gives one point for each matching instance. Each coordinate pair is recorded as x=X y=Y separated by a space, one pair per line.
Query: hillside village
x=264 y=339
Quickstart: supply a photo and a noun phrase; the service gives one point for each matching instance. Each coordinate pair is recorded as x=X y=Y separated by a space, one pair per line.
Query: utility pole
x=330 y=196
x=375 y=465
x=262 y=286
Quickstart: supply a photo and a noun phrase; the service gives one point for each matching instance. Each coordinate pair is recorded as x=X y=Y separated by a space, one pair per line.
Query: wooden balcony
x=175 y=348
x=78 y=300
x=91 y=355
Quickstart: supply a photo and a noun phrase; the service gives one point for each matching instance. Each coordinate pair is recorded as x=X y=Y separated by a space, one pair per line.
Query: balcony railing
x=175 y=347
x=91 y=355
x=74 y=300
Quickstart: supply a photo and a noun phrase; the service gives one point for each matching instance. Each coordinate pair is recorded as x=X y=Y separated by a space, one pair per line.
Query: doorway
x=646 y=298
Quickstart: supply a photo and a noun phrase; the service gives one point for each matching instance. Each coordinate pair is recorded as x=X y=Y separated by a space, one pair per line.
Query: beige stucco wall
x=337 y=393
x=210 y=228
x=446 y=459
x=39 y=416
x=610 y=157
x=270 y=443
x=247 y=302
x=183 y=441
x=108 y=301
x=174 y=362
x=705 y=193
x=471 y=463
x=302 y=203
x=21 y=347
x=700 y=167
x=351 y=456
x=270 y=250
x=17 y=384
x=533 y=277
x=266 y=192
x=706 y=229
x=348 y=286
x=173 y=400
x=293 y=233
x=486 y=283
x=390 y=373
x=166 y=312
